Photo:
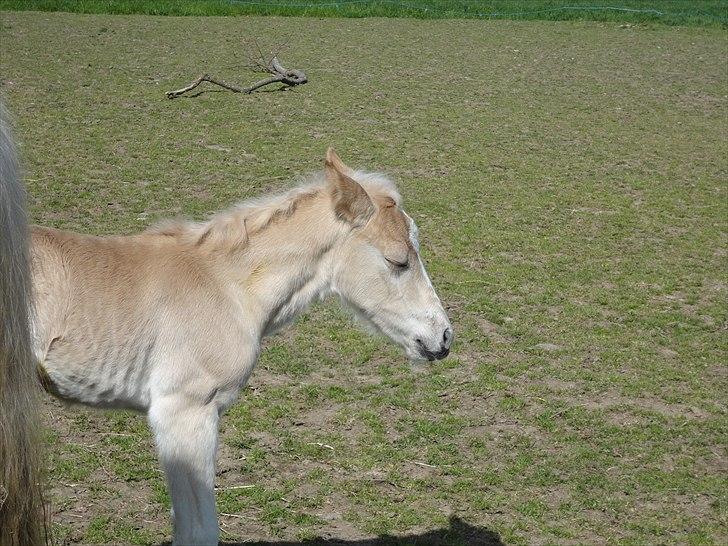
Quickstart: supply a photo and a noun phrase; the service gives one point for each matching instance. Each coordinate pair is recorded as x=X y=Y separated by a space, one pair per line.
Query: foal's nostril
x=447 y=338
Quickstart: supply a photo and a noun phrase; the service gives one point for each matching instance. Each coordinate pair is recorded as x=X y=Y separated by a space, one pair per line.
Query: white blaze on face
x=413 y=232
x=413 y=236
x=430 y=320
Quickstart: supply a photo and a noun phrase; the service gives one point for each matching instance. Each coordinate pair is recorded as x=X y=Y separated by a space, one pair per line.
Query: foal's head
x=378 y=271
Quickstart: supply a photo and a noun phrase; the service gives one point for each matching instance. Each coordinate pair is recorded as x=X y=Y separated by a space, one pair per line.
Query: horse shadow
x=458 y=533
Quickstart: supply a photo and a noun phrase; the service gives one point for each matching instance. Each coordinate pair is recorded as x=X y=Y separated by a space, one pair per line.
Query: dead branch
x=278 y=74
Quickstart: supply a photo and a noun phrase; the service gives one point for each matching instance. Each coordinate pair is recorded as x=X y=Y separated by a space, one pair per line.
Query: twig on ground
x=418 y=463
x=234 y=515
x=235 y=487
x=319 y=444
x=278 y=74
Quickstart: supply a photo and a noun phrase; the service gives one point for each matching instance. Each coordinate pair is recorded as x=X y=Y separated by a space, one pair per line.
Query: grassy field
x=569 y=181
x=671 y=12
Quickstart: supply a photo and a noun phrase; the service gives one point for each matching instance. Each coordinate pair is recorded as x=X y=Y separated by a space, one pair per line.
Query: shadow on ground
x=458 y=533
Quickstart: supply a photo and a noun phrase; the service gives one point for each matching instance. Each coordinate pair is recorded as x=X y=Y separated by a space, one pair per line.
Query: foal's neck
x=288 y=265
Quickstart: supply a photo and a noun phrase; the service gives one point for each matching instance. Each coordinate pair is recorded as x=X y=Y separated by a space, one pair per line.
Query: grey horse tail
x=23 y=519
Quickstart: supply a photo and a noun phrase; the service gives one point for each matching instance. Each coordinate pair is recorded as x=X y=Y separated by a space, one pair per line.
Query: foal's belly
x=99 y=374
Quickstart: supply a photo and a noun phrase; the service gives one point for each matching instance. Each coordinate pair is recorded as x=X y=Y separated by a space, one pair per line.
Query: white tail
x=22 y=518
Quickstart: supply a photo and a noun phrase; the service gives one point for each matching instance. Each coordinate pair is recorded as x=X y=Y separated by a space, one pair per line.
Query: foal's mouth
x=431 y=355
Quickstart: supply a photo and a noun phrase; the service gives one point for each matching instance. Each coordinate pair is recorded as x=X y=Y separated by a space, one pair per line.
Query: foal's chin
x=374 y=329
x=416 y=358
x=418 y=361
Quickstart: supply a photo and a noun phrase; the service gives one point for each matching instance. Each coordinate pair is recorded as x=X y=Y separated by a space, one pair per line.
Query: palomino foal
x=170 y=321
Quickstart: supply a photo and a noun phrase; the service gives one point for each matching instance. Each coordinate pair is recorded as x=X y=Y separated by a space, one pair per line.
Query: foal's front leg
x=186 y=436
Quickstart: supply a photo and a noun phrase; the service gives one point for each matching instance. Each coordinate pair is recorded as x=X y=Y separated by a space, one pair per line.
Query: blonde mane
x=255 y=214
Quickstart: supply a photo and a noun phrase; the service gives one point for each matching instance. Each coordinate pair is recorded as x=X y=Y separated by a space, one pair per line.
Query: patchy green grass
x=569 y=181
x=671 y=12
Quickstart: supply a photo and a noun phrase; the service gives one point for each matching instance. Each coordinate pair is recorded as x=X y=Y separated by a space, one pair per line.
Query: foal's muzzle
x=442 y=352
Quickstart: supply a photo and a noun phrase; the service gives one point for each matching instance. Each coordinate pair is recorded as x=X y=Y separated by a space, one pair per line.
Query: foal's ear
x=351 y=203
x=333 y=159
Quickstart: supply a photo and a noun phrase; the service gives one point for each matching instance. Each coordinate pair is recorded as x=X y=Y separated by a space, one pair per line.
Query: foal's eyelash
x=398 y=265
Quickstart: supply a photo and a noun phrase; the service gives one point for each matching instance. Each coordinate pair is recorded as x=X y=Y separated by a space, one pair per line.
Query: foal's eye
x=397 y=265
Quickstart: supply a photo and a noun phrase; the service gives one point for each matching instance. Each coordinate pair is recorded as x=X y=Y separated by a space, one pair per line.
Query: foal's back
x=108 y=310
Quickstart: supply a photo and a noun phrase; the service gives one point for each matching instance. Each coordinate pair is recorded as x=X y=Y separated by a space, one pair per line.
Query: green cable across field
x=670 y=12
